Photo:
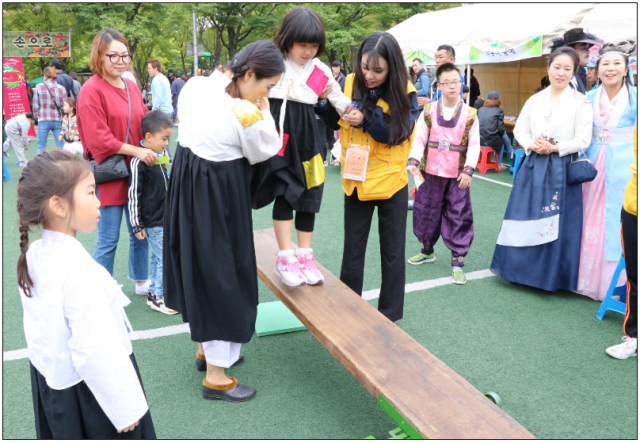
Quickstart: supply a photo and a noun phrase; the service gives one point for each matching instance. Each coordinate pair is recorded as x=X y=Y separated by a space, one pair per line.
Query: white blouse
x=219 y=128
x=76 y=327
x=568 y=121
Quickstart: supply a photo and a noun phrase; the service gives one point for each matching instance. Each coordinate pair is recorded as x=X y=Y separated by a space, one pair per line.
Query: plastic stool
x=517 y=158
x=485 y=162
x=609 y=303
x=5 y=171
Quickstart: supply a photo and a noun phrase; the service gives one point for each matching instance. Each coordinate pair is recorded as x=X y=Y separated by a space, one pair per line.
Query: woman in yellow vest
x=376 y=137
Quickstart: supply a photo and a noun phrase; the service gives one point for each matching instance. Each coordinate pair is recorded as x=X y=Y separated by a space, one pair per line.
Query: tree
x=236 y=22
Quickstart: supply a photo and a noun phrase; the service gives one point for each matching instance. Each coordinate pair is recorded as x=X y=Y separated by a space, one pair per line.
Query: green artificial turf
x=542 y=353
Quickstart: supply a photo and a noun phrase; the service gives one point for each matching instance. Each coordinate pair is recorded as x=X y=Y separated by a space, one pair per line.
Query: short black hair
x=449 y=49
x=177 y=73
x=465 y=88
x=471 y=71
x=170 y=70
x=155 y=121
x=216 y=64
x=301 y=25
x=56 y=64
x=447 y=67
x=336 y=63
x=544 y=82
x=29 y=115
x=418 y=60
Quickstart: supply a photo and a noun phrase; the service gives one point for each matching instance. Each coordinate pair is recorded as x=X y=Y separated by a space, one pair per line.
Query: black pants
x=392 y=227
x=629 y=230
x=283 y=211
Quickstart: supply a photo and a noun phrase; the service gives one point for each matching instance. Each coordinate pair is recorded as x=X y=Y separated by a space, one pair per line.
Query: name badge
x=444 y=145
x=355 y=163
x=164 y=160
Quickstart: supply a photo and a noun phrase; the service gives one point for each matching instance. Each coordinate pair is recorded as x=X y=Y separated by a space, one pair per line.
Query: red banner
x=15 y=100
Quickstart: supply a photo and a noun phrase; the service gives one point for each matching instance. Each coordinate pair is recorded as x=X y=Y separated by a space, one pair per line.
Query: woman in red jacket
x=103 y=118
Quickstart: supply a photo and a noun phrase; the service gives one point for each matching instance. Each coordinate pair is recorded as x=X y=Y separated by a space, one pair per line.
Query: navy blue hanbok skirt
x=539 y=243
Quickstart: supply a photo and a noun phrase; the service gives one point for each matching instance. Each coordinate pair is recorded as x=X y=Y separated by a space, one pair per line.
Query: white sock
x=457 y=268
x=285 y=253
x=301 y=251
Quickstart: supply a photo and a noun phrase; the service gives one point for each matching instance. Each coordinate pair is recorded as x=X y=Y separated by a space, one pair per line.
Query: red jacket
x=102 y=113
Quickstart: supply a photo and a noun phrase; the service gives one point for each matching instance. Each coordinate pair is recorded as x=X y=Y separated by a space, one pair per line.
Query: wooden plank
x=386 y=360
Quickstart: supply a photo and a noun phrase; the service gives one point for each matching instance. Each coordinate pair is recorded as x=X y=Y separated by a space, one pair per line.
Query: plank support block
x=275 y=318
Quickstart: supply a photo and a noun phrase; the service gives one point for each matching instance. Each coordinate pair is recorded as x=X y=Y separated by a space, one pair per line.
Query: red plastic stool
x=485 y=162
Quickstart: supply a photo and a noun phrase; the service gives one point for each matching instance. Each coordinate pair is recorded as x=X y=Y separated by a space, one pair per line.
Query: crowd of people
x=262 y=144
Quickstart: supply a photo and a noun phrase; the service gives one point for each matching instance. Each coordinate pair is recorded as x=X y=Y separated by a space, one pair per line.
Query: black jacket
x=66 y=82
x=491 y=121
x=147 y=192
x=340 y=79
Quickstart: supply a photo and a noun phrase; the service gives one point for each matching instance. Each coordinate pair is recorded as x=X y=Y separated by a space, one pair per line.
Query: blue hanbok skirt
x=545 y=211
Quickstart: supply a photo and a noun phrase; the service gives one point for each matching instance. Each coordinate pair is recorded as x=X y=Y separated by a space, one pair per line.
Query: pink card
x=285 y=139
x=317 y=81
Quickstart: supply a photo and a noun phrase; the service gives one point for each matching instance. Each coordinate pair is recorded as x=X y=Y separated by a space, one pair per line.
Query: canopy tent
x=36 y=81
x=509 y=40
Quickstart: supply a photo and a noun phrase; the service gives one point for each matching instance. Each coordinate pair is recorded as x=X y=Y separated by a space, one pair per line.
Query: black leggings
x=283 y=211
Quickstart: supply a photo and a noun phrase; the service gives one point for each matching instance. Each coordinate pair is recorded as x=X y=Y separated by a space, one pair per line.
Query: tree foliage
x=161 y=30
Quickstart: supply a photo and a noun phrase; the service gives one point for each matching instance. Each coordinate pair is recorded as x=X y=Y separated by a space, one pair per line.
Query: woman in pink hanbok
x=611 y=151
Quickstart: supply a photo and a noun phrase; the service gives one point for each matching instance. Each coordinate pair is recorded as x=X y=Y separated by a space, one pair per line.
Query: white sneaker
x=288 y=269
x=157 y=304
x=309 y=269
x=143 y=289
x=22 y=164
x=628 y=348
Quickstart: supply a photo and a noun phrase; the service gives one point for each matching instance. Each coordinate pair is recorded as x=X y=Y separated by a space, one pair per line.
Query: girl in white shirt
x=84 y=377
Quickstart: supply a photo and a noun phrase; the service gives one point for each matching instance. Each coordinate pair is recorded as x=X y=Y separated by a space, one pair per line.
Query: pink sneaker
x=309 y=269
x=288 y=269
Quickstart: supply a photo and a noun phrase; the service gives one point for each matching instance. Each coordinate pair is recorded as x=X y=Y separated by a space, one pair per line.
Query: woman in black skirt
x=210 y=274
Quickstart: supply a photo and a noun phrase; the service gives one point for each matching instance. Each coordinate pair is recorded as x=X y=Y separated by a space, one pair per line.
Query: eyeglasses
x=113 y=58
x=447 y=84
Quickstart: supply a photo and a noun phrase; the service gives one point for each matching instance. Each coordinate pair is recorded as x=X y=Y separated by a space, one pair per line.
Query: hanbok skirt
x=74 y=413
x=284 y=174
x=210 y=275
x=540 y=191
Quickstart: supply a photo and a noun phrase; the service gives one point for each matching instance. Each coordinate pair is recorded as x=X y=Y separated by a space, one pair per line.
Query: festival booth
x=507 y=44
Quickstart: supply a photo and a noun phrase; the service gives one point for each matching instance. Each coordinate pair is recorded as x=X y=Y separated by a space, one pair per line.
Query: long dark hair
x=382 y=44
x=52 y=173
x=301 y=25
x=262 y=57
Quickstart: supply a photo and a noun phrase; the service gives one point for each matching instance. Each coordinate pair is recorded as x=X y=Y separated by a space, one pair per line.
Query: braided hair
x=262 y=57
x=49 y=174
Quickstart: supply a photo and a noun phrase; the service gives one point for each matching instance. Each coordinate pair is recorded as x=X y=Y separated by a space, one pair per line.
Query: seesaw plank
x=437 y=401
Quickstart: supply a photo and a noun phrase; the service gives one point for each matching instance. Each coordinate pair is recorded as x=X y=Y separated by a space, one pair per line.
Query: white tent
x=506 y=26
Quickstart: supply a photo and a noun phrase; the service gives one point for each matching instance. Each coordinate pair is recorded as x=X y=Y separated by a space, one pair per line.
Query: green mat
x=275 y=318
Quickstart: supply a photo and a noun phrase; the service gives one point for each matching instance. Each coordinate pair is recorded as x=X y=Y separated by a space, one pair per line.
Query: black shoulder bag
x=113 y=167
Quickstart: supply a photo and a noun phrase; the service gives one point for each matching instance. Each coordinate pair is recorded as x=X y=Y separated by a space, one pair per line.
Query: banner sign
x=36 y=44
x=15 y=100
x=473 y=55
x=530 y=48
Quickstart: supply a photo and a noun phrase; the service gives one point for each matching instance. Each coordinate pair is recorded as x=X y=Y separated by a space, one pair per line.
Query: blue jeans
x=43 y=133
x=155 y=236
x=108 y=236
x=506 y=144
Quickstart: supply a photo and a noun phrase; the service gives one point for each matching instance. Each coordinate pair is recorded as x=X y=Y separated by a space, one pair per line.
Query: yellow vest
x=631 y=192
x=386 y=170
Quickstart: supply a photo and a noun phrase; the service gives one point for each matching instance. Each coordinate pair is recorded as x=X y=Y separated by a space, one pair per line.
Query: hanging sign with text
x=36 y=44
x=14 y=90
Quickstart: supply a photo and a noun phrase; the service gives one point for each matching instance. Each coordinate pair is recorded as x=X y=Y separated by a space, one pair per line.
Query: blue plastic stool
x=517 y=158
x=609 y=303
x=5 y=171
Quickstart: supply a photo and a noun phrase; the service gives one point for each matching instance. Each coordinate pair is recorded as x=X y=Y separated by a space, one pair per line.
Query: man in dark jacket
x=63 y=78
x=338 y=76
x=491 y=119
x=421 y=82
x=581 y=42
